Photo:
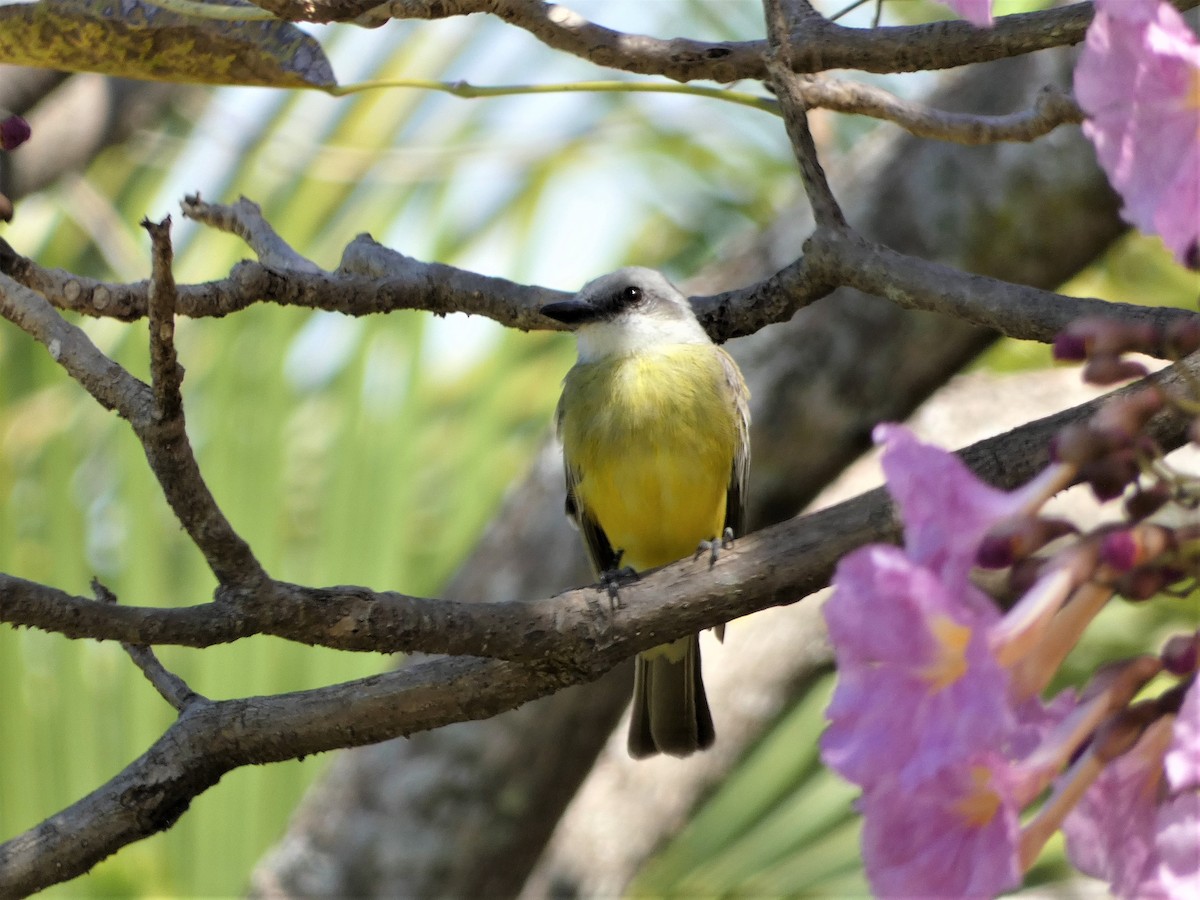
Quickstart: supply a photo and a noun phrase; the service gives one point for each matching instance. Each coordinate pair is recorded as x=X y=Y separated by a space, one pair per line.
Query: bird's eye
x=631 y=295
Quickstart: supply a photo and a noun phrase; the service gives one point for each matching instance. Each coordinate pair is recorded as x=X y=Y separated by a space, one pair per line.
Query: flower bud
x=1181 y=338
x=1146 y=582
x=1124 y=417
x=1181 y=654
x=1019 y=538
x=1146 y=501
x=1110 y=476
x=1128 y=548
x=1099 y=336
x=14 y=131
x=1079 y=445
x=1106 y=368
x=1069 y=347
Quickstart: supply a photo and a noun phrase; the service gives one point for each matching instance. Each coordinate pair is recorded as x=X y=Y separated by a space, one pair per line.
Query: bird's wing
x=600 y=552
x=735 y=499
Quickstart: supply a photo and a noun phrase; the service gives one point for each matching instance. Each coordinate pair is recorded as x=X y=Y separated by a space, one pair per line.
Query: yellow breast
x=652 y=438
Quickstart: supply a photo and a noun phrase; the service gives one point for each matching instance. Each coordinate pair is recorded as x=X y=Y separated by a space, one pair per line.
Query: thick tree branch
x=772 y=567
x=374 y=279
x=819 y=46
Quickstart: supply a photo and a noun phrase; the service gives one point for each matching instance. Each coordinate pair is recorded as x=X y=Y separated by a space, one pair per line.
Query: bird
x=654 y=423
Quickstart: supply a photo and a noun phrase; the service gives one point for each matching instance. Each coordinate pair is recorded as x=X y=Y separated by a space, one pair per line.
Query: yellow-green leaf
x=135 y=39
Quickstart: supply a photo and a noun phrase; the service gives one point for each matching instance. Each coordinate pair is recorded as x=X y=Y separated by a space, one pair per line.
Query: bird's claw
x=612 y=579
x=714 y=547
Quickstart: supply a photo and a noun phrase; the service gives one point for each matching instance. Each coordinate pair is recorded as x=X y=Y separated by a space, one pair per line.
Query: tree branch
x=1051 y=108
x=110 y=385
x=160 y=429
x=819 y=46
x=772 y=567
x=1013 y=310
x=825 y=208
x=244 y=218
x=170 y=687
x=375 y=279
x=211 y=738
x=166 y=375
x=165 y=441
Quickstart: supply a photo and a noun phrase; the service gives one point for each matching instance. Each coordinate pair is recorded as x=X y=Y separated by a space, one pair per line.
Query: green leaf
x=135 y=39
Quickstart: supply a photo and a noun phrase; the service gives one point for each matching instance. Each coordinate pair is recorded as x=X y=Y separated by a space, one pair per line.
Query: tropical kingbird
x=654 y=424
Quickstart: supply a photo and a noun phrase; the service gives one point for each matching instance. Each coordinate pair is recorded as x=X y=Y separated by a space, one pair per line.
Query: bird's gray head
x=627 y=311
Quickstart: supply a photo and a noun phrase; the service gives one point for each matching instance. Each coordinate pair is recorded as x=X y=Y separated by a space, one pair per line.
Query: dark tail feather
x=670 y=710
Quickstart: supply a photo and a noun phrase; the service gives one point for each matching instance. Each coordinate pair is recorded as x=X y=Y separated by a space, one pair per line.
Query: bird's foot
x=714 y=547
x=612 y=579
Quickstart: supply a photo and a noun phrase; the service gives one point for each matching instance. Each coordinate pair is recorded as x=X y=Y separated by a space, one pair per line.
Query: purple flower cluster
x=938 y=715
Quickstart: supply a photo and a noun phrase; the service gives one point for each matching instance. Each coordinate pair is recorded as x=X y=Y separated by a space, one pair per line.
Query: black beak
x=570 y=312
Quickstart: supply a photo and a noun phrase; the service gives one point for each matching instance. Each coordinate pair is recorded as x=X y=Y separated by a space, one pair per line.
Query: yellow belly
x=652 y=440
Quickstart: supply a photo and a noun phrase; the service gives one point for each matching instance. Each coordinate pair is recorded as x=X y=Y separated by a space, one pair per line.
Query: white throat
x=630 y=335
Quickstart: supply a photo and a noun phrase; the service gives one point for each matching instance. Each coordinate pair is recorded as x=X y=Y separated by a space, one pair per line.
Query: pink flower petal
x=1138 y=81
x=1178 y=845
x=917 y=684
x=1182 y=761
x=945 y=508
x=956 y=836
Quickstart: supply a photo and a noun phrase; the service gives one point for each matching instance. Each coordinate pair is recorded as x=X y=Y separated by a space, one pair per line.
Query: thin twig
x=1051 y=108
x=109 y=384
x=825 y=207
x=168 y=449
x=165 y=373
x=170 y=686
x=244 y=218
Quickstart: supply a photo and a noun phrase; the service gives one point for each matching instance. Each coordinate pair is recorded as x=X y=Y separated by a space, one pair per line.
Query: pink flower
x=1138 y=81
x=955 y=836
x=1110 y=833
x=977 y=12
x=917 y=684
x=1138 y=825
x=945 y=508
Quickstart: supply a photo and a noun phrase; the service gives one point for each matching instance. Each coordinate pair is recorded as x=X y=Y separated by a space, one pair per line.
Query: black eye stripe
x=629 y=295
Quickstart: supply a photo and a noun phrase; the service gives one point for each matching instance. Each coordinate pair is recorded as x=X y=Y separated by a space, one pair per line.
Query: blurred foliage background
x=374 y=450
